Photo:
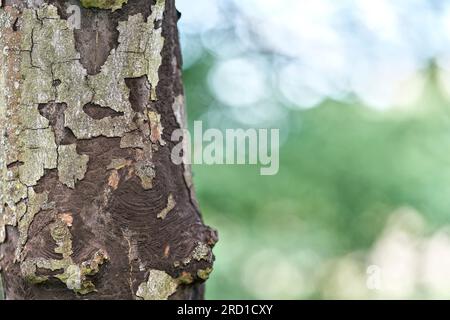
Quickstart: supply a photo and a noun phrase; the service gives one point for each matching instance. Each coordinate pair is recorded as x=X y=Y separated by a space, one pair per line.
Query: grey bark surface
x=92 y=207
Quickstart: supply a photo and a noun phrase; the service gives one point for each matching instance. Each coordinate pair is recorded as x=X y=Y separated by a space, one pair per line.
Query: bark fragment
x=159 y=286
x=35 y=203
x=75 y=276
x=71 y=165
x=104 y=4
x=170 y=206
x=156 y=128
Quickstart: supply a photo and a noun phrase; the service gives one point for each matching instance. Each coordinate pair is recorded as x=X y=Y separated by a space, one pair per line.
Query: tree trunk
x=92 y=205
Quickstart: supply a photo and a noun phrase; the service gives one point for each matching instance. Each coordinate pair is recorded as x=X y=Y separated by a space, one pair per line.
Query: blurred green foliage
x=343 y=169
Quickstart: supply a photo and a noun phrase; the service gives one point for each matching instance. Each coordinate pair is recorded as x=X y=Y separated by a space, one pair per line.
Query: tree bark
x=92 y=207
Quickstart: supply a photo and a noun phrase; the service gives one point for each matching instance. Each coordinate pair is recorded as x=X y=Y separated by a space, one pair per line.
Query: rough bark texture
x=91 y=205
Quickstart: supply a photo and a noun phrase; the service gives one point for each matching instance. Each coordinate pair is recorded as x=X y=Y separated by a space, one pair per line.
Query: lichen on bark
x=104 y=4
x=45 y=54
x=75 y=276
x=42 y=62
x=35 y=203
x=170 y=206
x=204 y=273
x=159 y=286
x=71 y=165
x=200 y=252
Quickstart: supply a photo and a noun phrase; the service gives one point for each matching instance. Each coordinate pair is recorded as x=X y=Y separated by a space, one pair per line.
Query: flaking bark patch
x=170 y=206
x=156 y=128
x=132 y=140
x=37 y=153
x=104 y=4
x=71 y=165
x=114 y=179
x=159 y=286
x=145 y=170
x=35 y=203
x=201 y=252
x=75 y=276
x=204 y=273
x=42 y=62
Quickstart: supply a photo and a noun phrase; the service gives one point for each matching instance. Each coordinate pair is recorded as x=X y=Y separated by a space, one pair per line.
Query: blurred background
x=360 y=92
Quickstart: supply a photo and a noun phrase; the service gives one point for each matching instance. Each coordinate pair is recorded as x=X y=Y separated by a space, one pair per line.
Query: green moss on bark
x=104 y=4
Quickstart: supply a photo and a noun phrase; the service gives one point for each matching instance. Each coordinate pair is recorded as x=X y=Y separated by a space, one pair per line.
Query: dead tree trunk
x=92 y=206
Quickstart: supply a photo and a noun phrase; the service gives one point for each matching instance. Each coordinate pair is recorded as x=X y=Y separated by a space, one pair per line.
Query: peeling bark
x=91 y=205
